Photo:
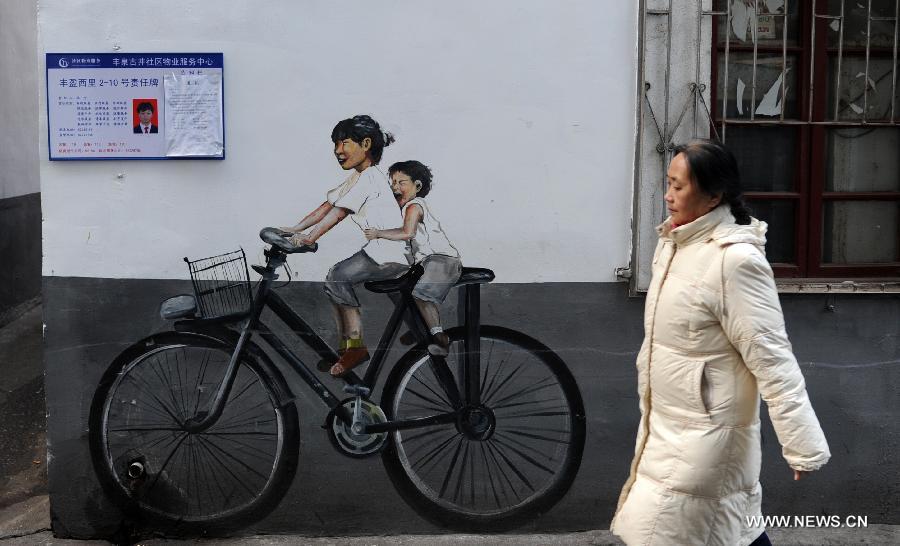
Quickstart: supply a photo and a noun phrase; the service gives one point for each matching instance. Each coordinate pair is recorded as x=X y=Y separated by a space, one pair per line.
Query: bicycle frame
x=266 y=297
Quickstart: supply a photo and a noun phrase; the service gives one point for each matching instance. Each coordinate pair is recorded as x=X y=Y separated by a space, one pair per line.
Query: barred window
x=806 y=94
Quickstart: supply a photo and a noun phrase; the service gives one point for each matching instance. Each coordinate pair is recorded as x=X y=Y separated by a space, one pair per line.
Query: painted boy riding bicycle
x=366 y=197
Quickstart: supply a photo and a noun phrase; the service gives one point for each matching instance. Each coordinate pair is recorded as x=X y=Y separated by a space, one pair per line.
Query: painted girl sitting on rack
x=426 y=243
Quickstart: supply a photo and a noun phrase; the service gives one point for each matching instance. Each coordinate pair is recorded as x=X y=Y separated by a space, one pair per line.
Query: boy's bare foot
x=351 y=358
x=441 y=345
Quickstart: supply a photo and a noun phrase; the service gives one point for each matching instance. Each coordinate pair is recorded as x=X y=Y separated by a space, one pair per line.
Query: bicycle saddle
x=475 y=275
x=180 y=306
x=470 y=275
x=278 y=238
x=404 y=282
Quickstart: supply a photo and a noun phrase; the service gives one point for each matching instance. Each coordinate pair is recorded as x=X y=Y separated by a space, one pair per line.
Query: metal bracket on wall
x=665 y=141
x=673 y=67
x=623 y=273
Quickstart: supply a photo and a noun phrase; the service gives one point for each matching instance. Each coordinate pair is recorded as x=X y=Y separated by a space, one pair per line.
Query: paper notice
x=193 y=110
x=770 y=105
x=765 y=27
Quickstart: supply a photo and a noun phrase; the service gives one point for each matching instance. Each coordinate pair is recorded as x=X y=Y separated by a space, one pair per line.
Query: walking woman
x=714 y=342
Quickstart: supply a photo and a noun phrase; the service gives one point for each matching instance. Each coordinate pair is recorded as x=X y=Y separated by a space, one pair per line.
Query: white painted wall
x=524 y=109
x=19 y=104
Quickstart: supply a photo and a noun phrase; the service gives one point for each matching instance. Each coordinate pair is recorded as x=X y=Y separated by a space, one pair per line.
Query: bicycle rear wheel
x=223 y=478
x=506 y=459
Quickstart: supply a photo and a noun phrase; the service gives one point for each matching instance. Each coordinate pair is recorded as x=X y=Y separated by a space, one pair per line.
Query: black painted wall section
x=850 y=358
x=20 y=250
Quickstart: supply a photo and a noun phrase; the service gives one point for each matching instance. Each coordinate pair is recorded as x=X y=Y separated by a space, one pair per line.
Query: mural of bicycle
x=195 y=429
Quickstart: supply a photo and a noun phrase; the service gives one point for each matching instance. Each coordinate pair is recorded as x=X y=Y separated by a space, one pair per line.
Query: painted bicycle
x=195 y=429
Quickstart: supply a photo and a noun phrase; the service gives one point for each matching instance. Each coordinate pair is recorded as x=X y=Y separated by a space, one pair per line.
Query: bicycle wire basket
x=221 y=284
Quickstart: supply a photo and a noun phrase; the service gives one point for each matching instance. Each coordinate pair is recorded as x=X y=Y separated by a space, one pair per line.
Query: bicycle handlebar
x=279 y=239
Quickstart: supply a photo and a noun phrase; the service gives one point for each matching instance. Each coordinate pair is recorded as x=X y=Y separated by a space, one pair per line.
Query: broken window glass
x=854 y=97
x=770 y=21
x=856 y=23
x=770 y=71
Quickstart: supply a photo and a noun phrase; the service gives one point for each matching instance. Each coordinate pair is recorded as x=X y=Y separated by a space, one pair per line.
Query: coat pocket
x=675 y=384
x=699 y=387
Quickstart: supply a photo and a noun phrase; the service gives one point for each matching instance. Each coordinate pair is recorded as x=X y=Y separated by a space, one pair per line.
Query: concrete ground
x=23 y=443
x=25 y=506
x=26 y=525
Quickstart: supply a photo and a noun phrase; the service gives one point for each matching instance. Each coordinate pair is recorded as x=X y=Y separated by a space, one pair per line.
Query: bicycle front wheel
x=222 y=478
x=511 y=455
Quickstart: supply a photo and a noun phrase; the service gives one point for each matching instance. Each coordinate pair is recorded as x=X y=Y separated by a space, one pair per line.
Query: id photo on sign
x=146 y=119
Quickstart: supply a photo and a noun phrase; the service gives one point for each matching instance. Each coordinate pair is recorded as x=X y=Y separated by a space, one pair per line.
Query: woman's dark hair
x=416 y=171
x=714 y=169
x=360 y=127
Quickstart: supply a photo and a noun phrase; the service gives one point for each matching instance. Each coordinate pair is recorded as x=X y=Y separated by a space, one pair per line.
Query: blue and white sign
x=135 y=105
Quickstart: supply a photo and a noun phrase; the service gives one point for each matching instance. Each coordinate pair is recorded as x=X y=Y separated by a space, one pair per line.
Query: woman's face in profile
x=684 y=200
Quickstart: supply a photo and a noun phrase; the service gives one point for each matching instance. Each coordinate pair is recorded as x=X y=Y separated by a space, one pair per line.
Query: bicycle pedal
x=357 y=390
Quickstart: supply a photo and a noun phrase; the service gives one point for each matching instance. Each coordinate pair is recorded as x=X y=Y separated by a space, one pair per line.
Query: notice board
x=135 y=106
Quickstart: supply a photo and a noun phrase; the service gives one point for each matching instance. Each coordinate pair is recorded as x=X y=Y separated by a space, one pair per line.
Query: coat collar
x=700 y=229
x=718 y=225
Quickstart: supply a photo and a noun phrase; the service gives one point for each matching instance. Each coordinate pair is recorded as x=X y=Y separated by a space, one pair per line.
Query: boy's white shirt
x=430 y=237
x=368 y=195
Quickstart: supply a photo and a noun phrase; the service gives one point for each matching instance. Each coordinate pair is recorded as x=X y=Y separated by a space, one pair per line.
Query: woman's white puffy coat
x=714 y=341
